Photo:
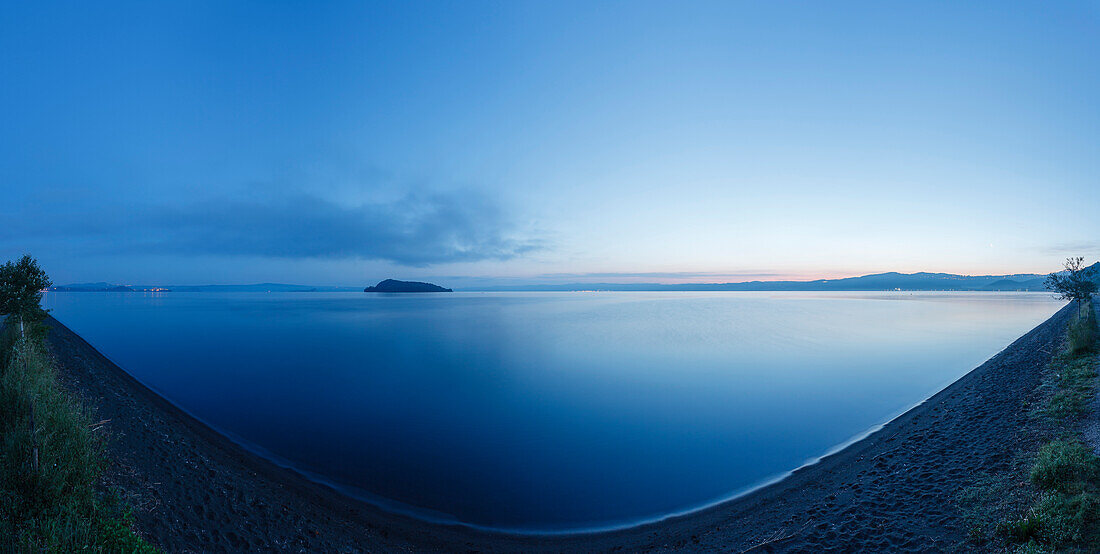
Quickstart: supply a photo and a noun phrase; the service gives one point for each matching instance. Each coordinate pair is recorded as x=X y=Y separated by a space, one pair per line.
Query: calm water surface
x=547 y=411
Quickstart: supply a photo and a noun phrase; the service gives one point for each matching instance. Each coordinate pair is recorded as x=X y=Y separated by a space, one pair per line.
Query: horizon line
x=535 y=281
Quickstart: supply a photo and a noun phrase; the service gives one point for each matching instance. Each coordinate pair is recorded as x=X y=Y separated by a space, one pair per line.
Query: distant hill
x=259 y=287
x=876 y=282
x=92 y=287
x=1011 y=285
x=393 y=285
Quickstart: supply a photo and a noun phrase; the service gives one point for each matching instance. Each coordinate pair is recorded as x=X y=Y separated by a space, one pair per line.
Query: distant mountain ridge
x=261 y=287
x=921 y=281
x=96 y=287
x=877 y=282
x=258 y=287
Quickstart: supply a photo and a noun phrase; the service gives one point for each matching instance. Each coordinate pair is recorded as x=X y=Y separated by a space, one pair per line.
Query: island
x=393 y=285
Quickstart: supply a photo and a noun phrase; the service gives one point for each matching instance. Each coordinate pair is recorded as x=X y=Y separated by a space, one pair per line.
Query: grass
x=1083 y=334
x=57 y=503
x=992 y=500
x=1074 y=376
x=1049 y=498
x=1064 y=466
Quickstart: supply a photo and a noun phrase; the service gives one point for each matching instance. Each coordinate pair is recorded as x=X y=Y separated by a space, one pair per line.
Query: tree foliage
x=21 y=286
x=1075 y=283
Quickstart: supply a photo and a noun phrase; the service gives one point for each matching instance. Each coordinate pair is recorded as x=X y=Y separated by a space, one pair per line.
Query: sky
x=333 y=143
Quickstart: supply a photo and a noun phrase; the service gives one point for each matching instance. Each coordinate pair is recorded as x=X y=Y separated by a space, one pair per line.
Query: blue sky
x=342 y=143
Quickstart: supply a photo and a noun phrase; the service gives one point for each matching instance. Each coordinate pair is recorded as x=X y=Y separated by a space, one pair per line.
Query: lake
x=547 y=411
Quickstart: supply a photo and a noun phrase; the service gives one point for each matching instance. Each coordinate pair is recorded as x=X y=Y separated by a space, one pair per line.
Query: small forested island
x=393 y=285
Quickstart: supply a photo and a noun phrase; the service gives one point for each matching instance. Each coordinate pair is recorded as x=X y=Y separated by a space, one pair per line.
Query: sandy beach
x=194 y=490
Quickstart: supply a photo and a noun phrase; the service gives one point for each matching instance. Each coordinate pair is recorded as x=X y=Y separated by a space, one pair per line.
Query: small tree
x=21 y=286
x=1075 y=283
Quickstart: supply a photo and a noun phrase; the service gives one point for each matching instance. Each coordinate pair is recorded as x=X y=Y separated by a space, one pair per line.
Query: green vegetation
x=1064 y=466
x=1083 y=335
x=1066 y=514
x=1072 y=377
x=1049 y=501
x=21 y=286
x=1076 y=283
x=993 y=501
x=1048 y=498
x=51 y=453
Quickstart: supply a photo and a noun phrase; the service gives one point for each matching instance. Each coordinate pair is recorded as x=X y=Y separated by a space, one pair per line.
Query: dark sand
x=196 y=491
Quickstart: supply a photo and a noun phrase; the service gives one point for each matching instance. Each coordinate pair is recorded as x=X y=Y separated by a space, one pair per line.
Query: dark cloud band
x=418 y=229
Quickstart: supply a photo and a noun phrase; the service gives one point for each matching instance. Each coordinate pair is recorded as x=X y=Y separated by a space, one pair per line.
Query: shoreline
x=273 y=501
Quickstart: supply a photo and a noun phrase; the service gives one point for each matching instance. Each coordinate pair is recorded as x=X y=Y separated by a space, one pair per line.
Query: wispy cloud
x=417 y=229
x=1074 y=247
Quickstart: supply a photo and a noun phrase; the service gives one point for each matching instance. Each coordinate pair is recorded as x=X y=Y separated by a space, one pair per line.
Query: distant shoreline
x=191 y=466
x=878 y=282
x=577 y=289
